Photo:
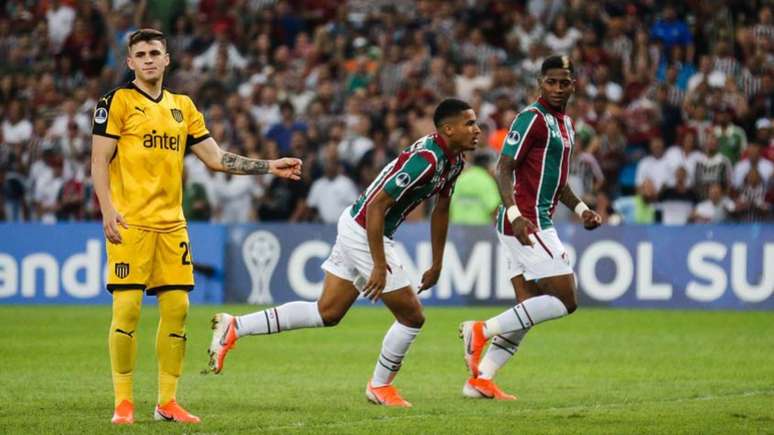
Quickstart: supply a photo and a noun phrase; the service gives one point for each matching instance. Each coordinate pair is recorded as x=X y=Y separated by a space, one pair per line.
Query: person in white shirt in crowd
x=469 y=80
x=601 y=84
x=267 y=112
x=753 y=160
x=715 y=209
x=46 y=194
x=357 y=141
x=654 y=166
x=685 y=155
x=70 y=114
x=562 y=38
x=331 y=193
x=16 y=127
x=527 y=31
x=60 y=18
x=222 y=44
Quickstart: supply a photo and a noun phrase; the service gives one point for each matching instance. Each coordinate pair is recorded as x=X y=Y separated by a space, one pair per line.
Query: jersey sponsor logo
x=122 y=270
x=141 y=109
x=100 y=115
x=402 y=180
x=177 y=114
x=164 y=142
x=513 y=138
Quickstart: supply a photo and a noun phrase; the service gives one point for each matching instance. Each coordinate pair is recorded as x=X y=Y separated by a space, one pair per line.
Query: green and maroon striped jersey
x=541 y=141
x=425 y=168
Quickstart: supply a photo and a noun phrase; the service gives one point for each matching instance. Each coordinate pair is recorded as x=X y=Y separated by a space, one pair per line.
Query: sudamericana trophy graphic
x=261 y=252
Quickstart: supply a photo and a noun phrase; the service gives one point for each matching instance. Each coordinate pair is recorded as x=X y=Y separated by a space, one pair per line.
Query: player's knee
x=571 y=304
x=127 y=313
x=331 y=317
x=176 y=309
x=413 y=320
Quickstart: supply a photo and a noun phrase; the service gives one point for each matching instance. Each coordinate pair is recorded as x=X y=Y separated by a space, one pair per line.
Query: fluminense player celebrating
x=364 y=257
x=532 y=178
x=141 y=132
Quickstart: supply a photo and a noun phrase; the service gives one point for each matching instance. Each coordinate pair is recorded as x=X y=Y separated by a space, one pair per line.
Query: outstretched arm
x=216 y=159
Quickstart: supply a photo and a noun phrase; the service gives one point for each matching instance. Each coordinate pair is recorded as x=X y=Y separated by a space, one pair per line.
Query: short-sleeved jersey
x=146 y=171
x=540 y=140
x=420 y=171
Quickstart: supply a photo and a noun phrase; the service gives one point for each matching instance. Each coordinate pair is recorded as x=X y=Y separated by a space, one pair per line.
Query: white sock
x=293 y=315
x=394 y=347
x=503 y=347
x=525 y=315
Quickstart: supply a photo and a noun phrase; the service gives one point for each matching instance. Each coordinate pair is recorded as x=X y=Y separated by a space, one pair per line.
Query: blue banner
x=699 y=266
x=66 y=263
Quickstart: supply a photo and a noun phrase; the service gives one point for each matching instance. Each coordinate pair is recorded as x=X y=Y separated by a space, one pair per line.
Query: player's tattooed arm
x=236 y=164
x=568 y=197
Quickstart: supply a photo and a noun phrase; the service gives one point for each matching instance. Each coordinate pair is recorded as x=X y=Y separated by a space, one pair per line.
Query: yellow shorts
x=150 y=261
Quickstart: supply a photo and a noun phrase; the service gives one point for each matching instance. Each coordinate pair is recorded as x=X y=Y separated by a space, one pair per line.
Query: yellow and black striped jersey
x=146 y=171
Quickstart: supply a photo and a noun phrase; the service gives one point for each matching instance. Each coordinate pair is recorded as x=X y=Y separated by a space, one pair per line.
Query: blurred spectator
x=586 y=177
x=281 y=132
x=732 y=139
x=753 y=161
x=677 y=202
x=640 y=208
x=16 y=127
x=60 y=18
x=684 y=155
x=672 y=31
x=715 y=209
x=330 y=194
x=476 y=196
x=654 y=167
x=527 y=32
x=561 y=39
x=751 y=205
x=716 y=168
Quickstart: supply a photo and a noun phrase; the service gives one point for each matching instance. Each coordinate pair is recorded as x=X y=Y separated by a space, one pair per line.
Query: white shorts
x=351 y=259
x=546 y=257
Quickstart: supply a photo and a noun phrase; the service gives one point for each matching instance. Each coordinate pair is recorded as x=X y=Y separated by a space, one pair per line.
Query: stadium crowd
x=673 y=108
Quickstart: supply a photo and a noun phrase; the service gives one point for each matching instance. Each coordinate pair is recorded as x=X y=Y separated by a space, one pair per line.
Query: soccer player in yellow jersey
x=141 y=132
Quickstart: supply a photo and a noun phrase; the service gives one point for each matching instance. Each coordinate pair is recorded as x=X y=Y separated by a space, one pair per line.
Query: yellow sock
x=122 y=342
x=170 y=341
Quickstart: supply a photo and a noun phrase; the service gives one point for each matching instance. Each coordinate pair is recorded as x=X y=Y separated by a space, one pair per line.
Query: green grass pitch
x=598 y=371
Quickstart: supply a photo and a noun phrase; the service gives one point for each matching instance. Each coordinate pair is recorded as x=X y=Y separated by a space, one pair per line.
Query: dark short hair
x=557 y=62
x=146 y=35
x=449 y=108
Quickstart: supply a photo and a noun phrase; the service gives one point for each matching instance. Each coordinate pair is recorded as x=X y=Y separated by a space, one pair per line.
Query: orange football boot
x=124 y=413
x=386 y=395
x=171 y=411
x=485 y=388
x=474 y=340
x=224 y=339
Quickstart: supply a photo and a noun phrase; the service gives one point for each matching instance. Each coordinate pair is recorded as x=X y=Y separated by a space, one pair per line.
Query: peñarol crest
x=177 y=114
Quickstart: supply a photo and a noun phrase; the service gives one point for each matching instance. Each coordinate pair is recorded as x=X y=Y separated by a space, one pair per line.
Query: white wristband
x=512 y=213
x=580 y=208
